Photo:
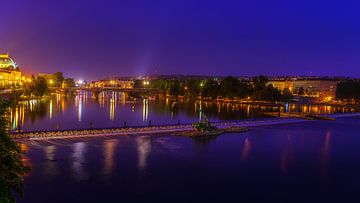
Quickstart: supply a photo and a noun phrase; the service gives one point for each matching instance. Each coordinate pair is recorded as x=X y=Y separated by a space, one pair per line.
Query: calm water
x=111 y=109
x=317 y=161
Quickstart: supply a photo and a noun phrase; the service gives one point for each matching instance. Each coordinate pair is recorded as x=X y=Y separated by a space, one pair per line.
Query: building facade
x=9 y=71
x=323 y=89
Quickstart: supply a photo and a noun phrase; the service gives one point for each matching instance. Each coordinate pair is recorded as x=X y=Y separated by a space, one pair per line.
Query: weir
x=144 y=130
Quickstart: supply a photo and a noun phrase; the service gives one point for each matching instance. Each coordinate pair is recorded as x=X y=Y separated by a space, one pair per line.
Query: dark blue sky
x=94 y=39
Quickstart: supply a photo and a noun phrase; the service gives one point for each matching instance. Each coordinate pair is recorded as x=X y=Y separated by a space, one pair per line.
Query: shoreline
x=26 y=136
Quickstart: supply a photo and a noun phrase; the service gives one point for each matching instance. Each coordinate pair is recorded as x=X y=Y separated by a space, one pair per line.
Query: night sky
x=93 y=39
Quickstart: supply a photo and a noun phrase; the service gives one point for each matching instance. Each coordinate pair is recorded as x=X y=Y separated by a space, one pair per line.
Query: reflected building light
x=145 y=113
x=22 y=115
x=325 y=154
x=51 y=168
x=109 y=151
x=16 y=119
x=79 y=101
x=246 y=149
x=248 y=111
x=112 y=106
x=200 y=111
x=218 y=107
x=50 y=109
x=287 y=107
x=79 y=150
x=144 y=150
x=285 y=157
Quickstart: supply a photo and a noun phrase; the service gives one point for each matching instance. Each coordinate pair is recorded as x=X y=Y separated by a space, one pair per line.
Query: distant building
x=9 y=71
x=323 y=89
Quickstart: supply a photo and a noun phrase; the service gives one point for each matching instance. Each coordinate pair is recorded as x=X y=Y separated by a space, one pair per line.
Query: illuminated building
x=9 y=71
x=323 y=89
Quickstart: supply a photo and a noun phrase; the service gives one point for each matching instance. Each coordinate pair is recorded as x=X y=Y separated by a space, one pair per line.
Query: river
x=112 y=109
x=314 y=161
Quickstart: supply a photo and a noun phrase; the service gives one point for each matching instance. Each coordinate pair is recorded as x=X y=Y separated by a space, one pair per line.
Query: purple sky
x=94 y=39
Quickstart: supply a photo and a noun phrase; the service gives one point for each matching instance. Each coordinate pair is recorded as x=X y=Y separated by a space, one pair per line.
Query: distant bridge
x=97 y=90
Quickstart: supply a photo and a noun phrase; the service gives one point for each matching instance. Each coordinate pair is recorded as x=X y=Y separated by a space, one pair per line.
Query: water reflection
x=51 y=168
x=145 y=112
x=285 y=156
x=246 y=149
x=78 y=157
x=113 y=101
x=77 y=111
x=109 y=151
x=143 y=144
x=325 y=154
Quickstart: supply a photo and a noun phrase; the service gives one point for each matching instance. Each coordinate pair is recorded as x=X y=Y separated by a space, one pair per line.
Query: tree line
x=348 y=90
x=40 y=85
x=227 y=88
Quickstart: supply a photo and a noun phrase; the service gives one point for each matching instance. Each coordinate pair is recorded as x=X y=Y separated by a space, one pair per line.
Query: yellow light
x=51 y=81
x=23 y=78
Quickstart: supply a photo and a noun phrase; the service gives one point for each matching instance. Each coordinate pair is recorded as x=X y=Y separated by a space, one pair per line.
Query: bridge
x=142 y=130
x=97 y=90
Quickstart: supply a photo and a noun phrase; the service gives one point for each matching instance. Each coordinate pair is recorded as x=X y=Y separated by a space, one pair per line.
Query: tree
x=348 y=89
x=287 y=96
x=211 y=89
x=69 y=82
x=232 y=87
x=193 y=88
x=12 y=169
x=59 y=78
x=40 y=87
x=269 y=93
x=260 y=82
x=138 y=84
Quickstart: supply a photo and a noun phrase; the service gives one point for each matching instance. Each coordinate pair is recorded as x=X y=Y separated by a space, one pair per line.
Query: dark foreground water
x=306 y=162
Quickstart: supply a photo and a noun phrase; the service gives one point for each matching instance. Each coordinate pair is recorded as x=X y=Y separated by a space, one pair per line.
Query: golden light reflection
x=145 y=113
x=246 y=149
x=144 y=150
x=51 y=168
x=79 y=105
x=109 y=151
x=78 y=156
x=50 y=109
x=325 y=154
x=112 y=106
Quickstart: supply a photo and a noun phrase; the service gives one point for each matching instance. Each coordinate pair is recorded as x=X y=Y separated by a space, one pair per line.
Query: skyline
x=218 y=38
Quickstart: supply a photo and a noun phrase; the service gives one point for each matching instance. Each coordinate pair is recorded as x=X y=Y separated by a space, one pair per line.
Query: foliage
x=203 y=126
x=269 y=93
x=211 y=89
x=348 y=89
x=193 y=88
x=232 y=87
x=58 y=79
x=39 y=87
x=260 y=82
x=69 y=82
x=138 y=84
x=12 y=169
x=287 y=96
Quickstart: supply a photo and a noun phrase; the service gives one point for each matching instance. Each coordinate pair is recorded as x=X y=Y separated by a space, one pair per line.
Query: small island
x=204 y=128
